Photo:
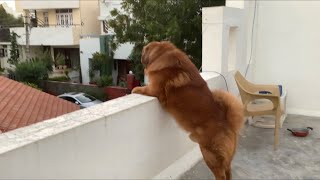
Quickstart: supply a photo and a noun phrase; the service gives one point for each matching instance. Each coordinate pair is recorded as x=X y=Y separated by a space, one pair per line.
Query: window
x=64 y=17
x=85 y=98
x=3 y=51
x=69 y=99
x=45 y=18
x=105 y=26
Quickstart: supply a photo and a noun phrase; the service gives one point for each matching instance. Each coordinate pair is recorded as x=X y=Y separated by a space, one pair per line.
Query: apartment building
x=120 y=66
x=57 y=26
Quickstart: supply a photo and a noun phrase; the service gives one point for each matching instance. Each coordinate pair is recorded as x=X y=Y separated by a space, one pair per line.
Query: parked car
x=82 y=99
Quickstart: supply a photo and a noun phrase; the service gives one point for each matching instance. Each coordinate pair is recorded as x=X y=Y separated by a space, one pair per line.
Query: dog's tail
x=233 y=107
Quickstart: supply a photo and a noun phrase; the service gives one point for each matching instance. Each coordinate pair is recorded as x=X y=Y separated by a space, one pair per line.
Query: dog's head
x=152 y=51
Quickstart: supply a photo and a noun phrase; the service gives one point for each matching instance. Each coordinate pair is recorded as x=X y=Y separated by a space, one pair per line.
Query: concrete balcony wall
x=283 y=48
x=48 y=4
x=129 y=137
x=287 y=51
x=50 y=36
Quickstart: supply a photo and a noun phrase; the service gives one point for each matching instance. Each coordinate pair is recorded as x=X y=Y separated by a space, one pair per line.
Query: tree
x=14 y=51
x=178 y=21
x=46 y=58
x=8 y=20
x=31 y=71
x=100 y=62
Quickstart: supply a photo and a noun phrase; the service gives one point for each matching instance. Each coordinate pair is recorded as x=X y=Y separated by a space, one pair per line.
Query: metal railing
x=36 y=22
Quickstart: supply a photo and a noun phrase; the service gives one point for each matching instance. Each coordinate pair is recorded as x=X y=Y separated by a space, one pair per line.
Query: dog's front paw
x=137 y=90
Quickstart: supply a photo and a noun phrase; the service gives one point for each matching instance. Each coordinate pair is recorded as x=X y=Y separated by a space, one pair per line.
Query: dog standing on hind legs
x=213 y=119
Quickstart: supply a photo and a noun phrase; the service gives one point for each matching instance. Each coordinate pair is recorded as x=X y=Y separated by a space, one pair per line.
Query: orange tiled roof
x=21 y=105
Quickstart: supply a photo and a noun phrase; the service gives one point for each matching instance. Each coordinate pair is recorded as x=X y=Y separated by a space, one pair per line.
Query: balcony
x=50 y=36
x=133 y=138
x=49 y=4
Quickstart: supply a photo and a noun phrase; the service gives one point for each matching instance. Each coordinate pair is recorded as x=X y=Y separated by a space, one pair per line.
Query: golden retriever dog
x=213 y=119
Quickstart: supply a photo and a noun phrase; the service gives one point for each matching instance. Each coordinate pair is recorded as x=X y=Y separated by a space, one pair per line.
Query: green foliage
x=1 y=70
x=136 y=57
x=97 y=60
x=46 y=58
x=104 y=81
x=11 y=73
x=66 y=72
x=100 y=62
x=31 y=72
x=91 y=73
x=8 y=20
x=60 y=59
x=123 y=84
x=32 y=85
x=144 y=21
x=60 y=79
x=14 y=51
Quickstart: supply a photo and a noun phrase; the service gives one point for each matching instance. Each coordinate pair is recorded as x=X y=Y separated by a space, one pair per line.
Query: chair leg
x=277 y=129
x=250 y=120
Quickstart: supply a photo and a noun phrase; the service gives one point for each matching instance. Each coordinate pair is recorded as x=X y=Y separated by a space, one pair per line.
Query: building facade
x=57 y=27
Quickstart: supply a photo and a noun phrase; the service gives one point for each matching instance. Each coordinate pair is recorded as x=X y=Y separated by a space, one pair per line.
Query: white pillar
x=222 y=38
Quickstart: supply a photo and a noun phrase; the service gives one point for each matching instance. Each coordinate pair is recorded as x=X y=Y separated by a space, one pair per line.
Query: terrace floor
x=296 y=158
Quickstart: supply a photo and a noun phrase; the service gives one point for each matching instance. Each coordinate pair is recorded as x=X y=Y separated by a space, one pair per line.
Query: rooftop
x=22 y=105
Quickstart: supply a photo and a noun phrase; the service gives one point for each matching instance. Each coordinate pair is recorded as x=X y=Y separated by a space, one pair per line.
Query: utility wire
x=252 y=31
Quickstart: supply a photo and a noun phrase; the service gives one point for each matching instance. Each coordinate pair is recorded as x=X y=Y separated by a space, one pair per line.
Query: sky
x=9 y=2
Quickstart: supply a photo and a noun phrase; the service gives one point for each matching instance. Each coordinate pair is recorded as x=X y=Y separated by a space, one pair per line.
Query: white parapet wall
x=126 y=138
x=49 y=36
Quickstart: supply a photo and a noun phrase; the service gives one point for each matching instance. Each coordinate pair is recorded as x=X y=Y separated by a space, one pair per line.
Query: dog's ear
x=148 y=53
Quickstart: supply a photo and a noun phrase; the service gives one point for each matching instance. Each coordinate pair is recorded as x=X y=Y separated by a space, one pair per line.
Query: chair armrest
x=273 y=89
x=275 y=99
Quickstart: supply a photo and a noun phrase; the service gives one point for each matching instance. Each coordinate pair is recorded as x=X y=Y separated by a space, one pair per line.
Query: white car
x=82 y=99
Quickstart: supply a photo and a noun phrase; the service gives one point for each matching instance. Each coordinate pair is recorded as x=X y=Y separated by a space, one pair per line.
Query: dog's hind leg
x=228 y=173
x=215 y=162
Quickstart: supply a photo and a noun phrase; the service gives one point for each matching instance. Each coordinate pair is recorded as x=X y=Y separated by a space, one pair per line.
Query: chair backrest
x=242 y=83
x=245 y=88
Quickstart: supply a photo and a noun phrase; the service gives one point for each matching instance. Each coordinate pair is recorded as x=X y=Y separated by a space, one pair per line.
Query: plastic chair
x=249 y=92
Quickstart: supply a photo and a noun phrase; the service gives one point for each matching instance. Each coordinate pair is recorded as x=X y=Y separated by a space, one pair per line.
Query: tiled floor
x=297 y=158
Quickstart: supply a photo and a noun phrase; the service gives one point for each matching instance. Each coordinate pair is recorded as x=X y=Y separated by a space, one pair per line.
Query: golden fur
x=213 y=119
